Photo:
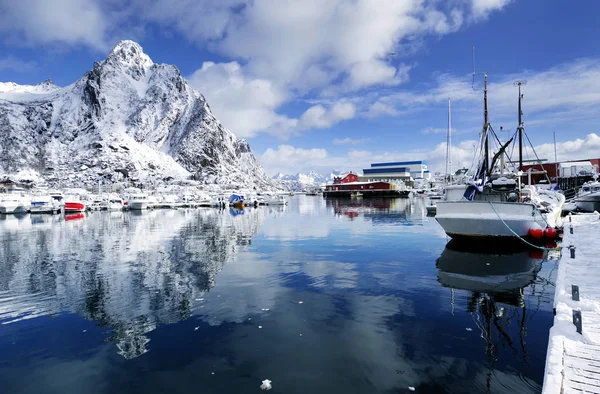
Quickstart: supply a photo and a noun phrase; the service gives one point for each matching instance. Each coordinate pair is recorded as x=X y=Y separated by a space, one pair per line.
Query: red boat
x=74 y=206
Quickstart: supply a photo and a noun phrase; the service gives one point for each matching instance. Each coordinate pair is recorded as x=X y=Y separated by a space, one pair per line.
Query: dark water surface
x=352 y=297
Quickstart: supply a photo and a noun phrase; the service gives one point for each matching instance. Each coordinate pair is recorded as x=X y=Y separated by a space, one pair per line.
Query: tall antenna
x=473 y=64
x=520 y=127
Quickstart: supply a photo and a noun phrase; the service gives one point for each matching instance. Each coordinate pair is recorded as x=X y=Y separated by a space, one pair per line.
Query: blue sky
x=310 y=83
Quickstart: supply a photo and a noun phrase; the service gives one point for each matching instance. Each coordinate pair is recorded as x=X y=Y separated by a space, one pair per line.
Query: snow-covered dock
x=573 y=358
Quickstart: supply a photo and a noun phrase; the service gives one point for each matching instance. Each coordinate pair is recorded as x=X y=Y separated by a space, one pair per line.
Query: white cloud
x=288 y=49
x=350 y=141
x=32 y=22
x=293 y=160
x=287 y=158
x=243 y=104
x=318 y=117
x=578 y=149
x=380 y=108
x=564 y=92
x=14 y=64
x=482 y=8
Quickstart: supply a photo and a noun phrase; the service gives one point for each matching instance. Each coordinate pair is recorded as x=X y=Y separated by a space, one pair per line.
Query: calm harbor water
x=321 y=296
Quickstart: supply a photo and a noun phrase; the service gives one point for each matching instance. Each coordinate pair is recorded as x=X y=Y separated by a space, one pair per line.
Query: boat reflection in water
x=397 y=211
x=496 y=279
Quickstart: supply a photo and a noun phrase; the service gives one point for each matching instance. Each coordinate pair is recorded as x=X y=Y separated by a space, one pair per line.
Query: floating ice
x=259 y=326
x=266 y=385
x=469 y=329
x=411 y=388
x=196 y=328
x=300 y=302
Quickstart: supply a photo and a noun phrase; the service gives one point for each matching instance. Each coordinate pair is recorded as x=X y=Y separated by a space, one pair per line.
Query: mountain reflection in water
x=347 y=294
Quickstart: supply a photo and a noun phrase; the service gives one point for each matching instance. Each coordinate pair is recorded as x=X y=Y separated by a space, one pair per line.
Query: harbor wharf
x=573 y=357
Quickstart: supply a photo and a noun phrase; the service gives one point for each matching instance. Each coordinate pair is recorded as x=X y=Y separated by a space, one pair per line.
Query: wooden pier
x=573 y=358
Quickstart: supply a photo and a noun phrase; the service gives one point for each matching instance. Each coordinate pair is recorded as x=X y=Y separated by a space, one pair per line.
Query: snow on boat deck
x=573 y=359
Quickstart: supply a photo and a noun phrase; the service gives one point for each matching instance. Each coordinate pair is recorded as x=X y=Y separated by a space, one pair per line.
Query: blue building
x=406 y=171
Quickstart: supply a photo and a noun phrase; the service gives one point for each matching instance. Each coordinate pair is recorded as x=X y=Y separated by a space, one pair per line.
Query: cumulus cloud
x=560 y=93
x=245 y=105
x=578 y=149
x=319 y=117
x=482 y=8
x=462 y=156
x=30 y=22
x=285 y=49
x=286 y=158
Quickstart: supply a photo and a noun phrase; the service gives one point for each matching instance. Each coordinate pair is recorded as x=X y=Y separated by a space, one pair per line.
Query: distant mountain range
x=304 y=182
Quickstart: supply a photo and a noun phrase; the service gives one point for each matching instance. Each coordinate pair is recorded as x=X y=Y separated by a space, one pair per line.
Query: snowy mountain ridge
x=127 y=118
x=305 y=182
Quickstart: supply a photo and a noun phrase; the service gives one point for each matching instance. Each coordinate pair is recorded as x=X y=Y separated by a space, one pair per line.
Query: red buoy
x=536 y=233
x=550 y=232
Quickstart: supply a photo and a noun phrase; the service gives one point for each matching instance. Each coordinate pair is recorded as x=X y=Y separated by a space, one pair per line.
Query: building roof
x=576 y=163
x=385 y=170
x=398 y=163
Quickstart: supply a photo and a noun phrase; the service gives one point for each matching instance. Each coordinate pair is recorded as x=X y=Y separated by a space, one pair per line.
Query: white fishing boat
x=494 y=203
x=138 y=202
x=15 y=200
x=588 y=197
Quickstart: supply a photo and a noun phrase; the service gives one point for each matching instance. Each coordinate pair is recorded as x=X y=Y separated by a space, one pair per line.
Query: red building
x=553 y=169
x=348 y=178
x=358 y=186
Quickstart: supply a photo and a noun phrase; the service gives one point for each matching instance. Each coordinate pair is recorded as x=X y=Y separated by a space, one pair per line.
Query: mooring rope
x=518 y=236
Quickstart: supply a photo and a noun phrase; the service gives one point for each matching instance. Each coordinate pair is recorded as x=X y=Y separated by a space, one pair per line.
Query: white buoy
x=266 y=385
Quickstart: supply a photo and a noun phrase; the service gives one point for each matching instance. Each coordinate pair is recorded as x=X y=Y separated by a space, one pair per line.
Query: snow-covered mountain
x=127 y=117
x=304 y=182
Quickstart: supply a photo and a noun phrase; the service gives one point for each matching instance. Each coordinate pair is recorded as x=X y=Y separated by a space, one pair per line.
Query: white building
x=402 y=170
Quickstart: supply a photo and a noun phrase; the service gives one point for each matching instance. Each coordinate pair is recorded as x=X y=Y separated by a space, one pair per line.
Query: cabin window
x=362 y=187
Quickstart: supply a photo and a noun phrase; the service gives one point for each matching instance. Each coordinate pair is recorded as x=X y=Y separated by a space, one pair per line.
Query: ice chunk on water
x=266 y=385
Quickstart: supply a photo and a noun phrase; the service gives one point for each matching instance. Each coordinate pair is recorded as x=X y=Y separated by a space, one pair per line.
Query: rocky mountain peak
x=127 y=113
x=129 y=53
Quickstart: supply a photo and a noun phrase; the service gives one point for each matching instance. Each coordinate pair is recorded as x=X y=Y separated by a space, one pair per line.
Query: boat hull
x=137 y=205
x=72 y=206
x=42 y=208
x=479 y=219
x=8 y=207
x=589 y=203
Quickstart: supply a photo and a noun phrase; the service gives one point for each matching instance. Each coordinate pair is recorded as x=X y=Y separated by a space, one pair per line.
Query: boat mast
x=449 y=146
x=486 y=126
x=520 y=128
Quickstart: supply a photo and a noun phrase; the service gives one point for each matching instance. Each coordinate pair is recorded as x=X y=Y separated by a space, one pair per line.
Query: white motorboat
x=114 y=203
x=275 y=199
x=44 y=204
x=494 y=204
x=15 y=201
x=138 y=202
x=588 y=197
